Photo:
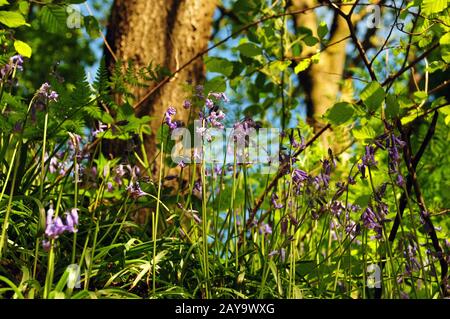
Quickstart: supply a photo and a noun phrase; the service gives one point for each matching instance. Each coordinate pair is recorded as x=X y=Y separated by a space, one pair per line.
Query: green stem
x=156 y=217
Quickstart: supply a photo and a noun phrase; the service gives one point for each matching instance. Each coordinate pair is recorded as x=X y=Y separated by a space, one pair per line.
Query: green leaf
x=217 y=84
x=310 y=41
x=219 y=65
x=373 y=95
x=419 y=96
x=392 y=106
x=446 y=112
x=24 y=7
x=53 y=19
x=12 y=19
x=433 y=6
x=92 y=26
x=22 y=48
x=3 y=2
x=340 y=113
x=302 y=65
x=322 y=30
x=445 y=47
x=364 y=133
x=249 y=49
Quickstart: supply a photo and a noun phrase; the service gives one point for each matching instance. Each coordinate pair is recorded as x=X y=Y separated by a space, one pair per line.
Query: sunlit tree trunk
x=323 y=81
x=167 y=33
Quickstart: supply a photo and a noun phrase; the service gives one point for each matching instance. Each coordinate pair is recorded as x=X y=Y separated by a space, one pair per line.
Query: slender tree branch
x=393 y=77
x=389 y=34
x=357 y=43
x=424 y=214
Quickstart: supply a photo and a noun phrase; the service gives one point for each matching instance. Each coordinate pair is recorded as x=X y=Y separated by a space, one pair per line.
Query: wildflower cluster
x=56 y=226
x=15 y=64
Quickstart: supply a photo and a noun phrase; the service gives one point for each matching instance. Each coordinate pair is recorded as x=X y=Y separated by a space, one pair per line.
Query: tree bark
x=322 y=81
x=166 y=33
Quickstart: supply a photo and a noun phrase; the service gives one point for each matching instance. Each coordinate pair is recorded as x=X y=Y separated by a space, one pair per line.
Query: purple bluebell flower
x=168 y=118
x=354 y=207
x=274 y=201
x=362 y=170
x=410 y=254
x=109 y=187
x=214 y=119
x=336 y=208
x=265 y=229
x=400 y=181
x=296 y=144
x=351 y=180
x=404 y=295
x=187 y=104
x=199 y=91
x=54 y=165
x=369 y=157
x=382 y=209
x=299 y=176
x=198 y=186
x=74 y=143
x=101 y=128
x=219 y=96
x=273 y=253
x=197 y=219
x=209 y=103
x=370 y=221
x=368 y=160
x=352 y=229
x=135 y=191
x=17 y=61
x=70 y=224
x=281 y=253
x=392 y=144
x=45 y=92
x=284 y=223
x=46 y=245
x=55 y=226
x=381 y=190
x=74 y=214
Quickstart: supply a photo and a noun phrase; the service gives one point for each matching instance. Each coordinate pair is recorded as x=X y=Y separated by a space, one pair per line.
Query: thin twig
x=425 y=216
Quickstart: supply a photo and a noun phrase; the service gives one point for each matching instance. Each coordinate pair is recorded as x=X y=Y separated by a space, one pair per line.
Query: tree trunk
x=322 y=81
x=166 y=33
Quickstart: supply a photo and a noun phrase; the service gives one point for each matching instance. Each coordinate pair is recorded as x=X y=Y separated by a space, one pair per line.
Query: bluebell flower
x=56 y=227
x=368 y=158
x=370 y=221
x=187 y=104
x=299 y=176
x=135 y=191
x=209 y=103
x=219 y=96
x=168 y=118
x=46 y=245
x=274 y=201
x=45 y=92
x=199 y=91
x=15 y=63
x=265 y=229
x=336 y=208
